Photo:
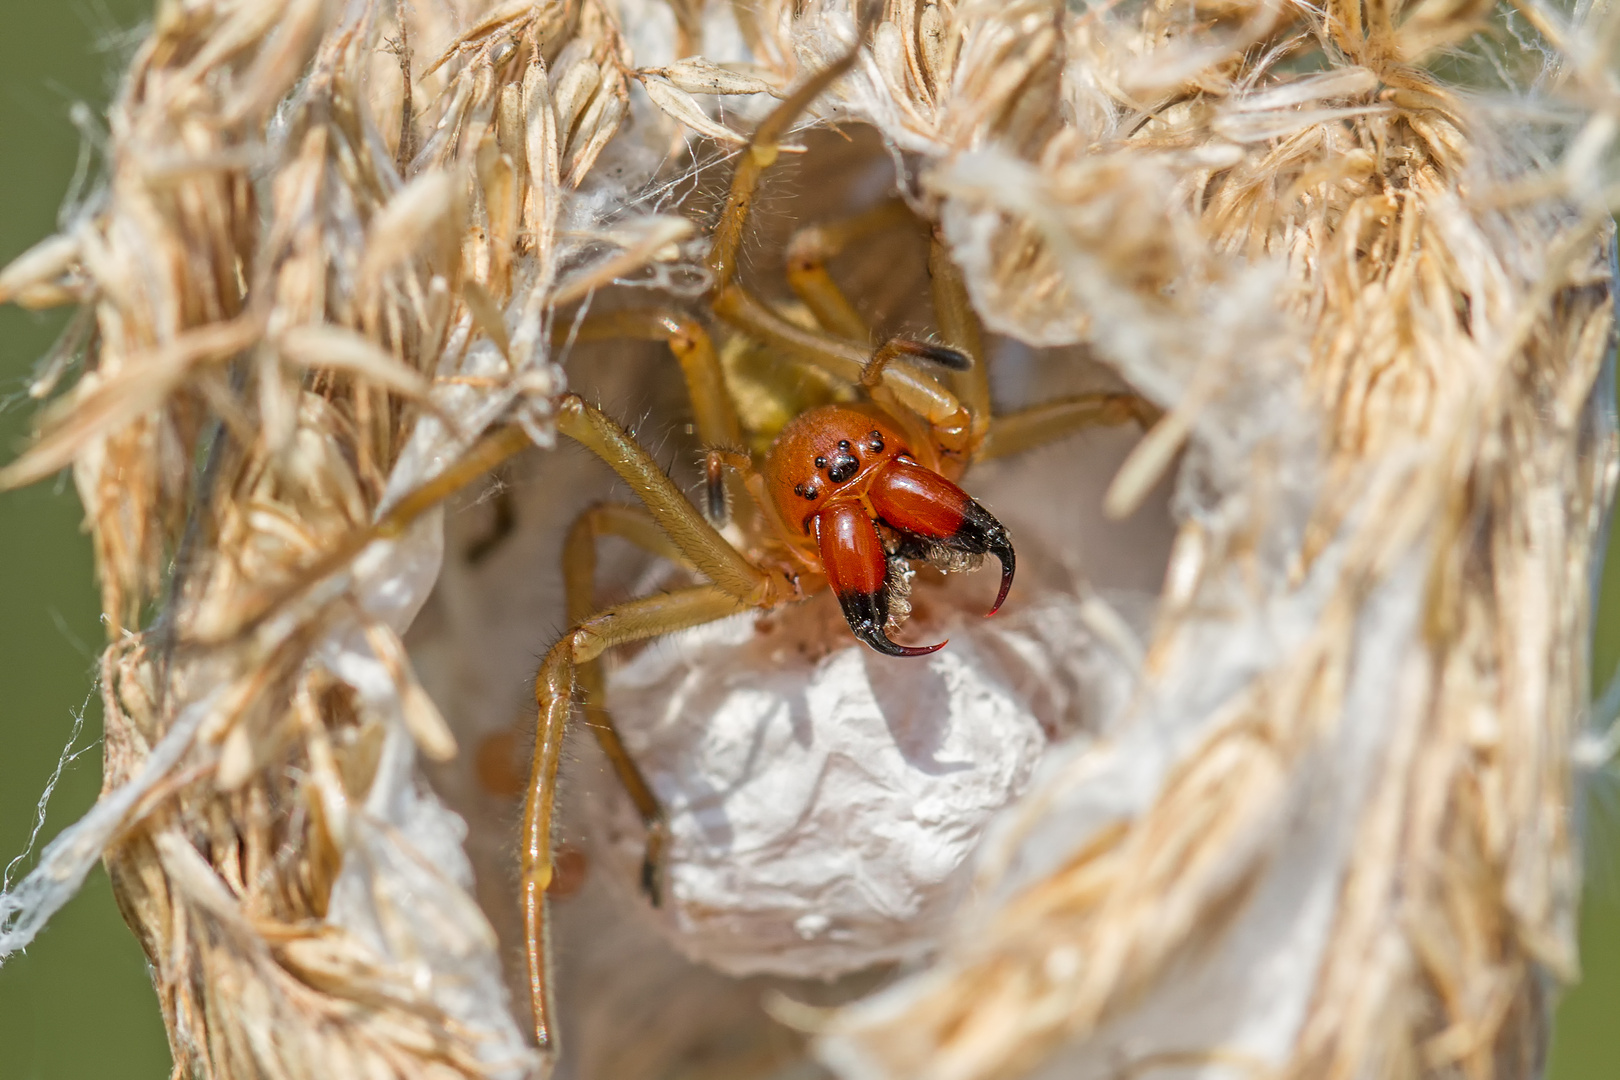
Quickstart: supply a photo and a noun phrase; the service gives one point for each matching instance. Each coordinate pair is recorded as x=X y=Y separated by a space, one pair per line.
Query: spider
x=845 y=496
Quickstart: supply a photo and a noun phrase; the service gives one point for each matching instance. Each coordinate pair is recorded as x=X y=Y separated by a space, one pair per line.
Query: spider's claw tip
x=954 y=359
x=878 y=640
x=649 y=883
x=717 y=505
x=922 y=650
x=943 y=355
x=652 y=862
x=1003 y=552
x=980 y=532
x=866 y=613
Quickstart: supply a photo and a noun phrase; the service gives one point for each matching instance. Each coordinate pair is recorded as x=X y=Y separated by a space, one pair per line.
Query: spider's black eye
x=821 y=462
x=875 y=442
x=844 y=466
x=843 y=444
x=807 y=492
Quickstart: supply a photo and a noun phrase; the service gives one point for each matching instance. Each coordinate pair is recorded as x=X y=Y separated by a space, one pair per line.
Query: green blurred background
x=78 y=1004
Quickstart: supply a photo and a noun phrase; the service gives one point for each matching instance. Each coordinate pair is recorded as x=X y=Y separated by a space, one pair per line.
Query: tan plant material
x=1360 y=255
x=293 y=241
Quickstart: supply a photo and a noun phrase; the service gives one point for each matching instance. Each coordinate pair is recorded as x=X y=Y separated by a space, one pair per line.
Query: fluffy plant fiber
x=1358 y=252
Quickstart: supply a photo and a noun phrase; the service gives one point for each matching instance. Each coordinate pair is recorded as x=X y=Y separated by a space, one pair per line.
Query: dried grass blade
x=37 y=267
x=341 y=349
x=142 y=386
x=665 y=232
x=695 y=75
x=429 y=206
x=680 y=106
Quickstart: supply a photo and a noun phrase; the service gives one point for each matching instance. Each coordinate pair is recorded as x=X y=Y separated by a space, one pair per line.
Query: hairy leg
x=811 y=247
x=485 y=455
x=682 y=532
x=922 y=394
x=634 y=524
x=554 y=690
x=688 y=530
x=712 y=407
x=959 y=326
x=1052 y=420
x=898 y=347
x=916 y=391
x=759 y=155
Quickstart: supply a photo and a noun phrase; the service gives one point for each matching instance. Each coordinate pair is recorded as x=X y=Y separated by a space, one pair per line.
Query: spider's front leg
x=554 y=689
x=759 y=155
x=919 y=393
x=712 y=407
x=634 y=524
x=693 y=535
x=813 y=245
x=713 y=410
x=1001 y=436
x=735 y=585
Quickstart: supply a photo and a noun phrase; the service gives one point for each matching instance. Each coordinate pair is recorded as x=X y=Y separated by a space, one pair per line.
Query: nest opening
x=779 y=901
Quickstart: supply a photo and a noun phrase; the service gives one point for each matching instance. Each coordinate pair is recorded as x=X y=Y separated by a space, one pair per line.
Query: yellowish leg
x=924 y=396
x=712 y=407
x=737 y=586
x=634 y=524
x=553 y=690
x=698 y=540
x=913 y=390
x=703 y=547
x=485 y=455
x=627 y=522
x=731 y=302
x=959 y=326
x=718 y=459
x=843 y=359
x=1052 y=420
x=895 y=348
x=759 y=155
x=813 y=245
x=754 y=483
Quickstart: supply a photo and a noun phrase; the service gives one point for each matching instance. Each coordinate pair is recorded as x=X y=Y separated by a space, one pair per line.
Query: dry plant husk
x=1359 y=253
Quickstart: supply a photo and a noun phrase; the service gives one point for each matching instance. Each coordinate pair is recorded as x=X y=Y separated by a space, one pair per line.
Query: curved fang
x=925 y=504
x=866 y=621
x=857 y=568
